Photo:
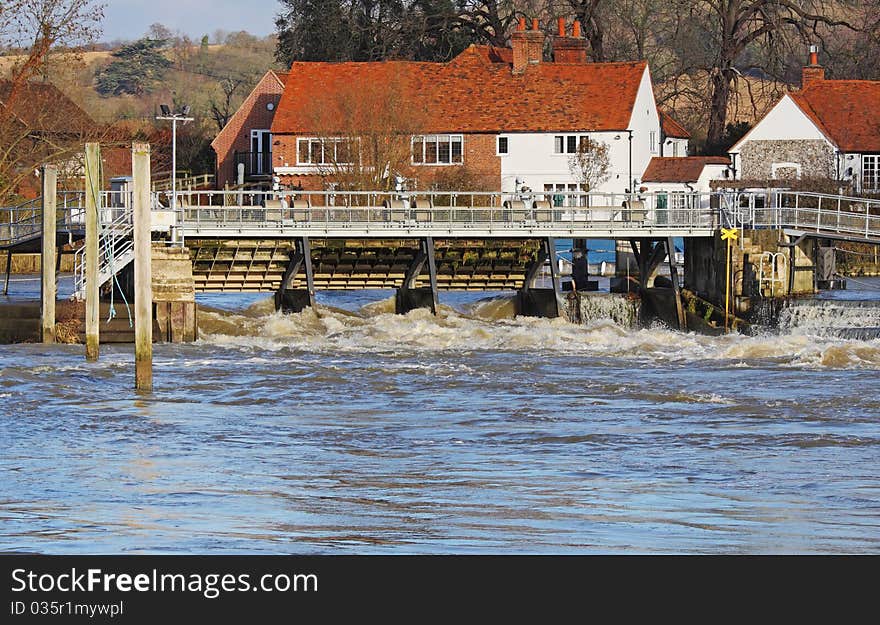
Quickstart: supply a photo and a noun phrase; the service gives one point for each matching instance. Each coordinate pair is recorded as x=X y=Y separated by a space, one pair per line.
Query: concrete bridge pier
x=533 y=301
x=408 y=296
x=287 y=298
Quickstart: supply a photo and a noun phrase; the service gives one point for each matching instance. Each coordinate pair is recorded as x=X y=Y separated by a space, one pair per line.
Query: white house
x=505 y=115
x=829 y=130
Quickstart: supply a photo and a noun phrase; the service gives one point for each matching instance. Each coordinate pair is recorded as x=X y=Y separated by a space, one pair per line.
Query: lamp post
x=177 y=116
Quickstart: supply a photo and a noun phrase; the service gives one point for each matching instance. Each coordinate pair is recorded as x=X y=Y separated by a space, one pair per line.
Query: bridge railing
x=823 y=213
x=221 y=209
x=24 y=221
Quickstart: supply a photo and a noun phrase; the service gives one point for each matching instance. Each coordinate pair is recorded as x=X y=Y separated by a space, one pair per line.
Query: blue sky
x=129 y=19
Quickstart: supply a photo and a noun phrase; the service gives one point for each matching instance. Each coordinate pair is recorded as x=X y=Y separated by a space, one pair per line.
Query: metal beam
x=288 y=299
x=428 y=247
x=410 y=297
x=554 y=267
x=306 y=250
x=8 y=269
x=676 y=289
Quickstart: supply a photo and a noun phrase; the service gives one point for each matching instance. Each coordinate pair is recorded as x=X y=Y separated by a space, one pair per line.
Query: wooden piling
x=48 y=254
x=143 y=280
x=92 y=206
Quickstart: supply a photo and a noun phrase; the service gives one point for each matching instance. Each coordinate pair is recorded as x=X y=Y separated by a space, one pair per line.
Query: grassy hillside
x=213 y=80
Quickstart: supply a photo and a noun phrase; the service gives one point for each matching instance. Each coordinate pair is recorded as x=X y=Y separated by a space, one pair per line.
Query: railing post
x=92 y=195
x=143 y=288
x=47 y=258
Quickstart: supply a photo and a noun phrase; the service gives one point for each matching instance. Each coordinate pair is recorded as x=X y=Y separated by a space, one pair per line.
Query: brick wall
x=236 y=136
x=815 y=157
x=481 y=166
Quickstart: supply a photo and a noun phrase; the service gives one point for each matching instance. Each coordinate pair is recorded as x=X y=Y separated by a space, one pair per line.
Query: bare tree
x=725 y=38
x=488 y=21
x=39 y=26
x=590 y=164
x=35 y=124
x=364 y=134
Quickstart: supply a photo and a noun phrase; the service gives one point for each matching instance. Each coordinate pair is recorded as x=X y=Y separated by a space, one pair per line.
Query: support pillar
x=8 y=269
x=143 y=278
x=676 y=288
x=288 y=299
x=93 y=196
x=48 y=254
x=409 y=297
x=540 y=302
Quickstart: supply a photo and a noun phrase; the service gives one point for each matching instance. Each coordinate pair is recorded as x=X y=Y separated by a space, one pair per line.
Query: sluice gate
x=294 y=244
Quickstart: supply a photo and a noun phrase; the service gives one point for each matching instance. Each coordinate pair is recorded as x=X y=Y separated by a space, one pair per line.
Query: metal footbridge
x=246 y=240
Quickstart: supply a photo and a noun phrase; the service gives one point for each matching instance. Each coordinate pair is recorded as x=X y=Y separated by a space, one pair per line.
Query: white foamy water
x=488 y=325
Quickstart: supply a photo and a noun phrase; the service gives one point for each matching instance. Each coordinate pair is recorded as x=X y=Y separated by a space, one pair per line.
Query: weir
x=420 y=243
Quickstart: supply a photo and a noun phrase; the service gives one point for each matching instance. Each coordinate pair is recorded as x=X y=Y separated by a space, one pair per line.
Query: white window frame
x=553 y=188
x=566 y=142
x=334 y=141
x=652 y=141
x=436 y=139
x=874 y=160
x=498 y=151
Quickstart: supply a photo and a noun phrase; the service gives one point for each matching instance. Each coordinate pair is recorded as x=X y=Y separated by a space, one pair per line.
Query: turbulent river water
x=354 y=430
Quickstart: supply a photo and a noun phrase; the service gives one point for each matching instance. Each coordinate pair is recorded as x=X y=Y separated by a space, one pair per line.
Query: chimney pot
x=813 y=72
x=570 y=49
x=527 y=45
x=534 y=23
x=560 y=22
x=522 y=24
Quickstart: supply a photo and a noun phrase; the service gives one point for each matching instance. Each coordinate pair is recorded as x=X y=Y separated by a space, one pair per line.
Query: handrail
x=115 y=246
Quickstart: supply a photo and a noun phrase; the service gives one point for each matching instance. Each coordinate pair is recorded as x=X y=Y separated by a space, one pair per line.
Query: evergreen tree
x=136 y=69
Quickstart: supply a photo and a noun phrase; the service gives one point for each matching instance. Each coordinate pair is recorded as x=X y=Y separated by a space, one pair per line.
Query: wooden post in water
x=47 y=257
x=92 y=206
x=143 y=287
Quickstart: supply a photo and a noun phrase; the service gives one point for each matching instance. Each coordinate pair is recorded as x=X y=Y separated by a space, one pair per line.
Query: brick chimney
x=528 y=46
x=813 y=72
x=569 y=49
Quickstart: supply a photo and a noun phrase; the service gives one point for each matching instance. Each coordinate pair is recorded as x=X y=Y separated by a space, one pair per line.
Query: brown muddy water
x=359 y=431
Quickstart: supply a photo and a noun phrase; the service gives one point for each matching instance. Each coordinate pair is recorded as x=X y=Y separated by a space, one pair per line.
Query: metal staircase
x=115 y=250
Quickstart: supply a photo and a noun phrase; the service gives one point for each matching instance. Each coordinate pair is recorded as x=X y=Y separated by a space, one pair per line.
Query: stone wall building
x=829 y=130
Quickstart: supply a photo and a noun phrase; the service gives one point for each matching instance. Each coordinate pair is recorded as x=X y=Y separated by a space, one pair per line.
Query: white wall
x=531 y=155
x=643 y=122
x=531 y=158
x=785 y=122
x=710 y=173
x=675 y=147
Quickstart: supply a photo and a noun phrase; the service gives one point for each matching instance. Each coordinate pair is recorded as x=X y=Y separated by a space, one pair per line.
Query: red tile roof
x=671 y=128
x=44 y=108
x=847 y=111
x=474 y=93
x=680 y=168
